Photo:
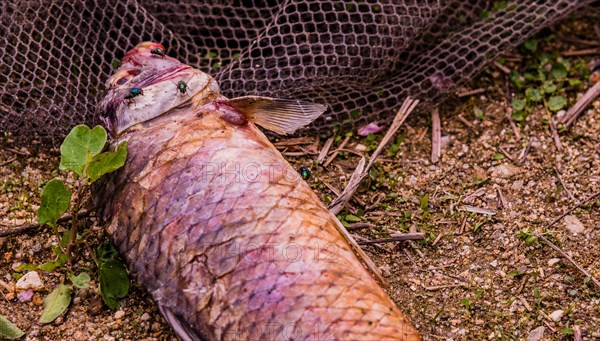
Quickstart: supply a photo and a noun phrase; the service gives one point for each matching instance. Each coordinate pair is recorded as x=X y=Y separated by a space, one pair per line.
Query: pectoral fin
x=283 y=116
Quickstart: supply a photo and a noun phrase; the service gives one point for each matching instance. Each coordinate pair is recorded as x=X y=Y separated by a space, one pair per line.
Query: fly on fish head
x=151 y=79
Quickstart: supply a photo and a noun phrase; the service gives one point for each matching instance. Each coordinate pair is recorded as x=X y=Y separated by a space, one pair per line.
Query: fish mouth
x=147 y=86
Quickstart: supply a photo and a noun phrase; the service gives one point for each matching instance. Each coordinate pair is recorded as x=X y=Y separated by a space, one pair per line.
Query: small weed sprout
x=81 y=153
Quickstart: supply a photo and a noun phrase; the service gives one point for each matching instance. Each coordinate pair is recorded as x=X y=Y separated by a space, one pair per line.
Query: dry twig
x=571 y=115
x=337 y=151
x=564 y=186
x=436 y=136
x=361 y=170
x=562 y=253
x=581 y=203
x=29 y=227
x=471 y=92
x=400 y=237
x=325 y=150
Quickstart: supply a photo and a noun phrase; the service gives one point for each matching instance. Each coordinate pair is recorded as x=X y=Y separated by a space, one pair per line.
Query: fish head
x=148 y=85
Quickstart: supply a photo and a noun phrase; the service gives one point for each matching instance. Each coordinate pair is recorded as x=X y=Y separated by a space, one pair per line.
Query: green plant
x=547 y=80
x=81 y=153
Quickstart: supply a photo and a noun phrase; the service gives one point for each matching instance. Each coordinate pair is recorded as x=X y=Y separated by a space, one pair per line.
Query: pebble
x=145 y=317
x=119 y=314
x=573 y=225
x=32 y=281
x=556 y=315
x=553 y=261
x=537 y=334
x=25 y=296
x=504 y=171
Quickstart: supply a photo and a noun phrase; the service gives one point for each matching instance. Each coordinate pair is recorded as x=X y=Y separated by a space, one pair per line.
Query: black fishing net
x=359 y=57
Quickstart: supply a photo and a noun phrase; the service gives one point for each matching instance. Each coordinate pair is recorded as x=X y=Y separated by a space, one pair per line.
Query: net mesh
x=359 y=57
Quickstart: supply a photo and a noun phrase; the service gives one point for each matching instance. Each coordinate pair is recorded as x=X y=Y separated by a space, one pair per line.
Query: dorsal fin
x=283 y=116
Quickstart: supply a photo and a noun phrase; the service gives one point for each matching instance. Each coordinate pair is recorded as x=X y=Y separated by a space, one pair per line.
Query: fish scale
x=269 y=292
x=229 y=240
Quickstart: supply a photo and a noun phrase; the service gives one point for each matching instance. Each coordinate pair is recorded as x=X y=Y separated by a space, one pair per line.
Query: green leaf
x=107 y=162
x=530 y=240
x=518 y=103
x=424 y=202
x=61 y=259
x=56 y=303
x=351 y=218
x=56 y=199
x=559 y=71
x=555 y=103
x=530 y=45
x=478 y=113
x=8 y=330
x=65 y=239
x=81 y=280
x=114 y=282
x=517 y=79
x=355 y=113
x=574 y=82
x=17 y=275
x=26 y=266
x=549 y=87
x=106 y=251
x=80 y=146
x=498 y=156
x=567 y=331
x=519 y=116
x=533 y=95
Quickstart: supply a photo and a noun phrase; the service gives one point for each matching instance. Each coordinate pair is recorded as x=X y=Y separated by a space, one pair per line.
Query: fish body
x=227 y=237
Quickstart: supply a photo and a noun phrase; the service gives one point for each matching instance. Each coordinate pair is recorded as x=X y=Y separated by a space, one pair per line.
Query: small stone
x=119 y=314
x=96 y=306
x=556 y=315
x=145 y=317
x=537 y=334
x=553 y=261
x=573 y=225
x=32 y=281
x=78 y=336
x=504 y=171
x=25 y=296
x=360 y=148
x=494 y=263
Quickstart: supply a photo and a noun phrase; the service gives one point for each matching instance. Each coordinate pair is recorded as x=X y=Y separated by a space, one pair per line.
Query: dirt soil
x=479 y=273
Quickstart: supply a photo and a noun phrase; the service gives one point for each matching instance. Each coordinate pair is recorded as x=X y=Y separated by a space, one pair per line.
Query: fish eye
x=121 y=81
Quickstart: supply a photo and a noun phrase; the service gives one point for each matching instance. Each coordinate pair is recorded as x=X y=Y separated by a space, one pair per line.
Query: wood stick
x=337 y=151
x=7 y=162
x=508 y=116
x=557 y=249
x=580 y=52
x=562 y=183
x=436 y=136
x=468 y=124
x=502 y=68
x=360 y=226
x=571 y=115
x=325 y=150
x=581 y=203
x=401 y=237
x=524 y=153
x=555 y=136
x=361 y=170
x=471 y=92
x=29 y=227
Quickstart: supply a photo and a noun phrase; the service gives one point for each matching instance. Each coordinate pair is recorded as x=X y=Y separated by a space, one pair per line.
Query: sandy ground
x=474 y=276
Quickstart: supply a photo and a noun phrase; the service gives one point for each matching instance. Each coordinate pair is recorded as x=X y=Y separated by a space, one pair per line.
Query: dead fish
x=227 y=237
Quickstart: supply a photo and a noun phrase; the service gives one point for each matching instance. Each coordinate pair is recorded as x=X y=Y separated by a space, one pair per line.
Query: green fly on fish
x=227 y=237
